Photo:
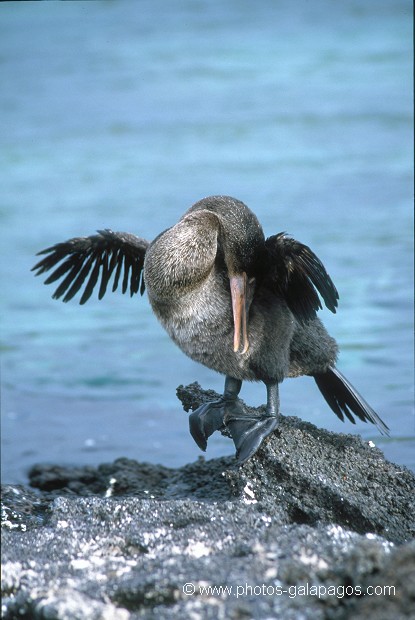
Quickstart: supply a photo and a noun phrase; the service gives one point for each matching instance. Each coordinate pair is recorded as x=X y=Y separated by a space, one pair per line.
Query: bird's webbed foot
x=248 y=432
x=208 y=418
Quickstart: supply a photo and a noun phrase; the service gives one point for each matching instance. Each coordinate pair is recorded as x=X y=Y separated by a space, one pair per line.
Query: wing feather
x=295 y=272
x=89 y=261
x=127 y=267
x=79 y=277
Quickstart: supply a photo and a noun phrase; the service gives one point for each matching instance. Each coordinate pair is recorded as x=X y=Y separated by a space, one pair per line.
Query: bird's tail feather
x=344 y=400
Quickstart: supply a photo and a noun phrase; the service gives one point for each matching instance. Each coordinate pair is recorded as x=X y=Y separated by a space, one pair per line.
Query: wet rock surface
x=316 y=525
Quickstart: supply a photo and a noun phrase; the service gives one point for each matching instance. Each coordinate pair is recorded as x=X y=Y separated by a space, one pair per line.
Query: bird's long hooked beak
x=238 y=294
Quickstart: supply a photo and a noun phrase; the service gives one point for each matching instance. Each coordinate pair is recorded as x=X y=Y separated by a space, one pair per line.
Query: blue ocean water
x=120 y=114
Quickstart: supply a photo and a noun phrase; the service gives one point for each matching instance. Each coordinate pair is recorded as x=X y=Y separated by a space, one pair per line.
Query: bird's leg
x=208 y=418
x=249 y=431
x=273 y=400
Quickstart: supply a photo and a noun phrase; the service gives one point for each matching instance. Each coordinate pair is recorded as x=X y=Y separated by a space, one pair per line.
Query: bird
x=237 y=302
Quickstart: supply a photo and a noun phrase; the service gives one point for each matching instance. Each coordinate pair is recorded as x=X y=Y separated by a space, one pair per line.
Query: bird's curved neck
x=182 y=257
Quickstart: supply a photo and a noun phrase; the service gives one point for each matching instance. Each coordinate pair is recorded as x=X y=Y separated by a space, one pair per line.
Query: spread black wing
x=297 y=273
x=83 y=261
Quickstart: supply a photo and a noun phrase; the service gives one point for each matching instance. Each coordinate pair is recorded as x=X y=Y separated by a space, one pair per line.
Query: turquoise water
x=121 y=115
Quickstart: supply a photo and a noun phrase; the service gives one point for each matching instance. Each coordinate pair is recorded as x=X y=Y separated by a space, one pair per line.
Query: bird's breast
x=192 y=318
x=200 y=322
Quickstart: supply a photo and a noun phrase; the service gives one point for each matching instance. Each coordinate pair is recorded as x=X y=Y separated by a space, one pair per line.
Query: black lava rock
x=316 y=525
